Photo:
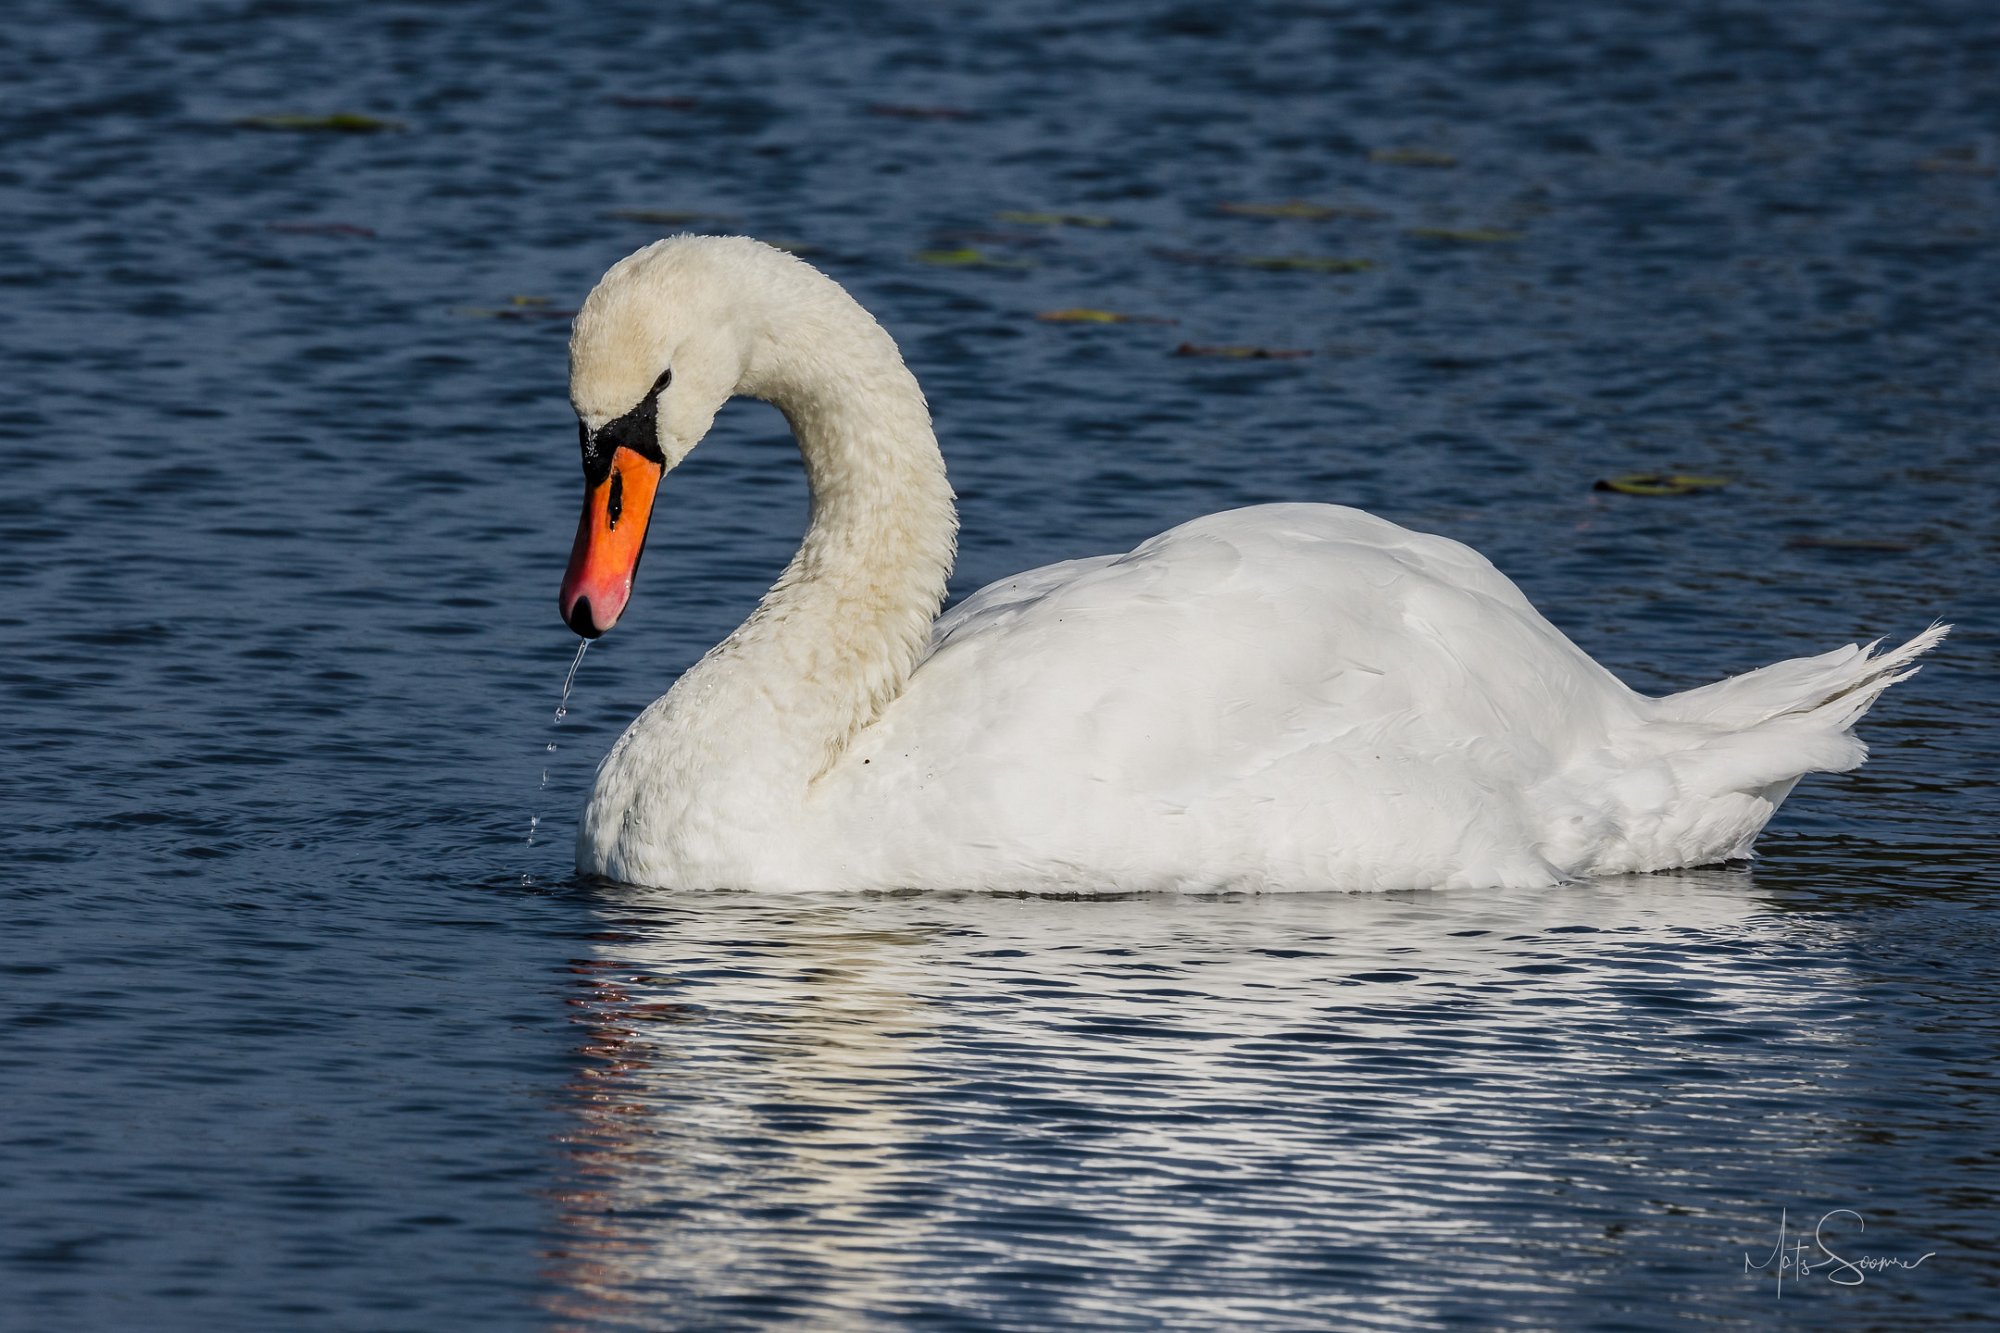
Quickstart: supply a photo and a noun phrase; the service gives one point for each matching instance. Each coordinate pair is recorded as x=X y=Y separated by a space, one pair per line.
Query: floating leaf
x=1239 y=353
x=1852 y=544
x=967 y=257
x=1021 y=219
x=1306 y=264
x=945 y=240
x=517 y=307
x=319 y=229
x=672 y=217
x=487 y=312
x=898 y=111
x=1468 y=235
x=1956 y=161
x=340 y=122
x=1660 y=483
x=1081 y=315
x=1298 y=209
x=1412 y=157
x=664 y=103
x=1270 y=263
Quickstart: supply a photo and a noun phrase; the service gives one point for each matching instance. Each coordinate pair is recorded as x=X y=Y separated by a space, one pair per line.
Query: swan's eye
x=638 y=430
x=616 y=504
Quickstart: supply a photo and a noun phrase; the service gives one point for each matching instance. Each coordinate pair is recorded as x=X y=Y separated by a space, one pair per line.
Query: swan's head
x=661 y=343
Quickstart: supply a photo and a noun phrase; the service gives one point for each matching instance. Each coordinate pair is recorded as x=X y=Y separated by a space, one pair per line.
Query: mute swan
x=1292 y=696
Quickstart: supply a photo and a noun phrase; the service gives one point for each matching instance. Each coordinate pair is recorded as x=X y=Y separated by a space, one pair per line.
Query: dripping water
x=550 y=747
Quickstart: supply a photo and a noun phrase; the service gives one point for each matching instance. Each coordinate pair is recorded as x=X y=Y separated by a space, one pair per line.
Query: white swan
x=1293 y=696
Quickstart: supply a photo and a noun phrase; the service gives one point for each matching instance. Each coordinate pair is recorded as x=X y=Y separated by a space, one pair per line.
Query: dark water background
x=300 y=1033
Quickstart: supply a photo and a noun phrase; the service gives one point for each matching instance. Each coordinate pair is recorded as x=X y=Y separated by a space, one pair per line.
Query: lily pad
x=1242 y=353
x=517 y=307
x=1299 y=210
x=1082 y=315
x=1957 y=162
x=1412 y=157
x=898 y=111
x=319 y=229
x=1468 y=235
x=1876 y=544
x=965 y=256
x=976 y=236
x=1024 y=219
x=672 y=217
x=1660 y=484
x=664 y=103
x=1306 y=264
x=340 y=122
x=1269 y=263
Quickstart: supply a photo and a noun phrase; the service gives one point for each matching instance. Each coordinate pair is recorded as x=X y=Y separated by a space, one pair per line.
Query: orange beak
x=609 y=539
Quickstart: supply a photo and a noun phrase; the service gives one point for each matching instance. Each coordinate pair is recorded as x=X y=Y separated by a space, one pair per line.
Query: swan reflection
x=735 y=1100
x=873 y=1106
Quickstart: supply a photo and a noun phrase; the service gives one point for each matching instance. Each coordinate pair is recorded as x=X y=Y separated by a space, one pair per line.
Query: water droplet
x=562 y=711
x=582 y=645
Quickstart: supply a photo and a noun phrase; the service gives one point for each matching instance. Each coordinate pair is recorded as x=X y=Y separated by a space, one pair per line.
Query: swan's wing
x=1255 y=626
x=1289 y=657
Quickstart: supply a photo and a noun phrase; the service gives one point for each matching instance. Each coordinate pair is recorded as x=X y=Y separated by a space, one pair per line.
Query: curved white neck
x=837 y=635
x=772 y=706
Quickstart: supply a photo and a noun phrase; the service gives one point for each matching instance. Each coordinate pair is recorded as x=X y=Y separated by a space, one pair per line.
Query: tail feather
x=1834 y=688
x=1698 y=779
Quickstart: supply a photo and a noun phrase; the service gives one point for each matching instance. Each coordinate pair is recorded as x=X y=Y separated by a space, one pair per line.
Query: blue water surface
x=302 y=1032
